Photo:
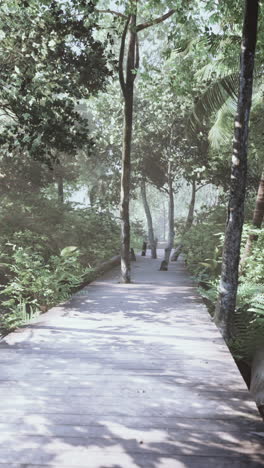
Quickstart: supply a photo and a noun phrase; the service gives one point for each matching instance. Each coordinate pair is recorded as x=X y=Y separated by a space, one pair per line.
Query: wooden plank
x=102 y=460
x=129 y=428
x=30 y=448
x=136 y=388
x=205 y=425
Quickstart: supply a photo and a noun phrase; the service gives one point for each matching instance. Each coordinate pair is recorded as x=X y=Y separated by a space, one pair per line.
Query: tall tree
x=231 y=253
x=131 y=29
x=190 y=217
x=171 y=234
x=127 y=87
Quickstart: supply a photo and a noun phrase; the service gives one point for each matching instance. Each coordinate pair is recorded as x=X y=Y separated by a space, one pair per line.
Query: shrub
x=202 y=245
x=34 y=284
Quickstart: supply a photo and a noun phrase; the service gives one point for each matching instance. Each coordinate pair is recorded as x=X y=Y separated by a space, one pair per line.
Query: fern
x=248 y=322
x=257 y=305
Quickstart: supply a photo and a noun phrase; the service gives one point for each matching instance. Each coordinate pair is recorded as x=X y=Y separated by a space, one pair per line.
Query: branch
x=201 y=186
x=142 y=26
x=112 y=12
x=163 y=189
x=121 y=58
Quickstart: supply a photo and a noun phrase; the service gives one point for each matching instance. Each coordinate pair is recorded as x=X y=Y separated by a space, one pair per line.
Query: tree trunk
x=164 y=220
x=188 y=224
x=171 y=221
x=125 y=190
x=151 y=237
x=128 y=92
x=144 y=249
x=258 y=216
x=231 y=252
x=60 y=189
x=190 y=216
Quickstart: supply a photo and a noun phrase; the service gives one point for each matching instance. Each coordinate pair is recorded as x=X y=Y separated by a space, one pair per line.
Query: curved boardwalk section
x=126 y=376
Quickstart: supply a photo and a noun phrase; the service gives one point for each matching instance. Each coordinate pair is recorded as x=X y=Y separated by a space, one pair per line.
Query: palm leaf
x=221 y=131
x=212 y=100
x=215 y=70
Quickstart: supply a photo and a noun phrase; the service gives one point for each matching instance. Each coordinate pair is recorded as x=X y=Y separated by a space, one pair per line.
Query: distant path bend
x=126 y=376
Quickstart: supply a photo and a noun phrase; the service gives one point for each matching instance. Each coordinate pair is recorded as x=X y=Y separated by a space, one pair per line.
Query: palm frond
x=212 y=100
x=221 y=131
x=258 y=95
x=215 y=69
x=187 y=47
x=184 y=49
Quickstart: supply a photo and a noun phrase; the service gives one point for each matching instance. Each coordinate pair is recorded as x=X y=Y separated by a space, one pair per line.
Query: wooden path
x=126 y=376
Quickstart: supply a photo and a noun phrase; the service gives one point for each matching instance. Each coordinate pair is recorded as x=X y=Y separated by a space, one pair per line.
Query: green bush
x=138 y=234
x=34 y=284
x=53 y=227
x=38 y=269
x=254 y=267
x=249 y=316
x=202 y=245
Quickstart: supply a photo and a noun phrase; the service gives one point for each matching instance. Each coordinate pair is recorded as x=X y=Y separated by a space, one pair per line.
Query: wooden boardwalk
x=126 y=376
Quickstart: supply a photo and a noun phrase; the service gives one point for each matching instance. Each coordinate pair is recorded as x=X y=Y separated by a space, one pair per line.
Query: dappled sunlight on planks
x=126 y=376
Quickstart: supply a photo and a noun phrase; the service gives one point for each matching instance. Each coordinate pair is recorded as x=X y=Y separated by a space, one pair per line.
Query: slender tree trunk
x=190 y=216
x=128 y=92
x=125 y=190
x=171 y=232
x=258 y=216
x=60 y=189
x=231 y=253
x=164 y=221
x=171 y=215
x=188 y=224
x=151 y=237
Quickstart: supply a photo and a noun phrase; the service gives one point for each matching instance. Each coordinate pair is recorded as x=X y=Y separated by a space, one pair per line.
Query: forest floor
x=126 y=376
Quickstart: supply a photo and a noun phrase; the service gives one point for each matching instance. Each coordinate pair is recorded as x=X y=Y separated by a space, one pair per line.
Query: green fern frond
x=249 y=335
x=249 y=321
x=257 y=305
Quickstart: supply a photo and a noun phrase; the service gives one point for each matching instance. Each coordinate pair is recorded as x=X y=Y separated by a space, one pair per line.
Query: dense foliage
x=202 y=249
x=47 y=251
x=50 y=61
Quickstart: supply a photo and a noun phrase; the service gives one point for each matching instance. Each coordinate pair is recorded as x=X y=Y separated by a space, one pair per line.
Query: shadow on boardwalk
x=126 y=376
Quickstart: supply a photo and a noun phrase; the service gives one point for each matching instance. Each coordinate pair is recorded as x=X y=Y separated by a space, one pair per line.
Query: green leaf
x=68 y=251
x=52 y=44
